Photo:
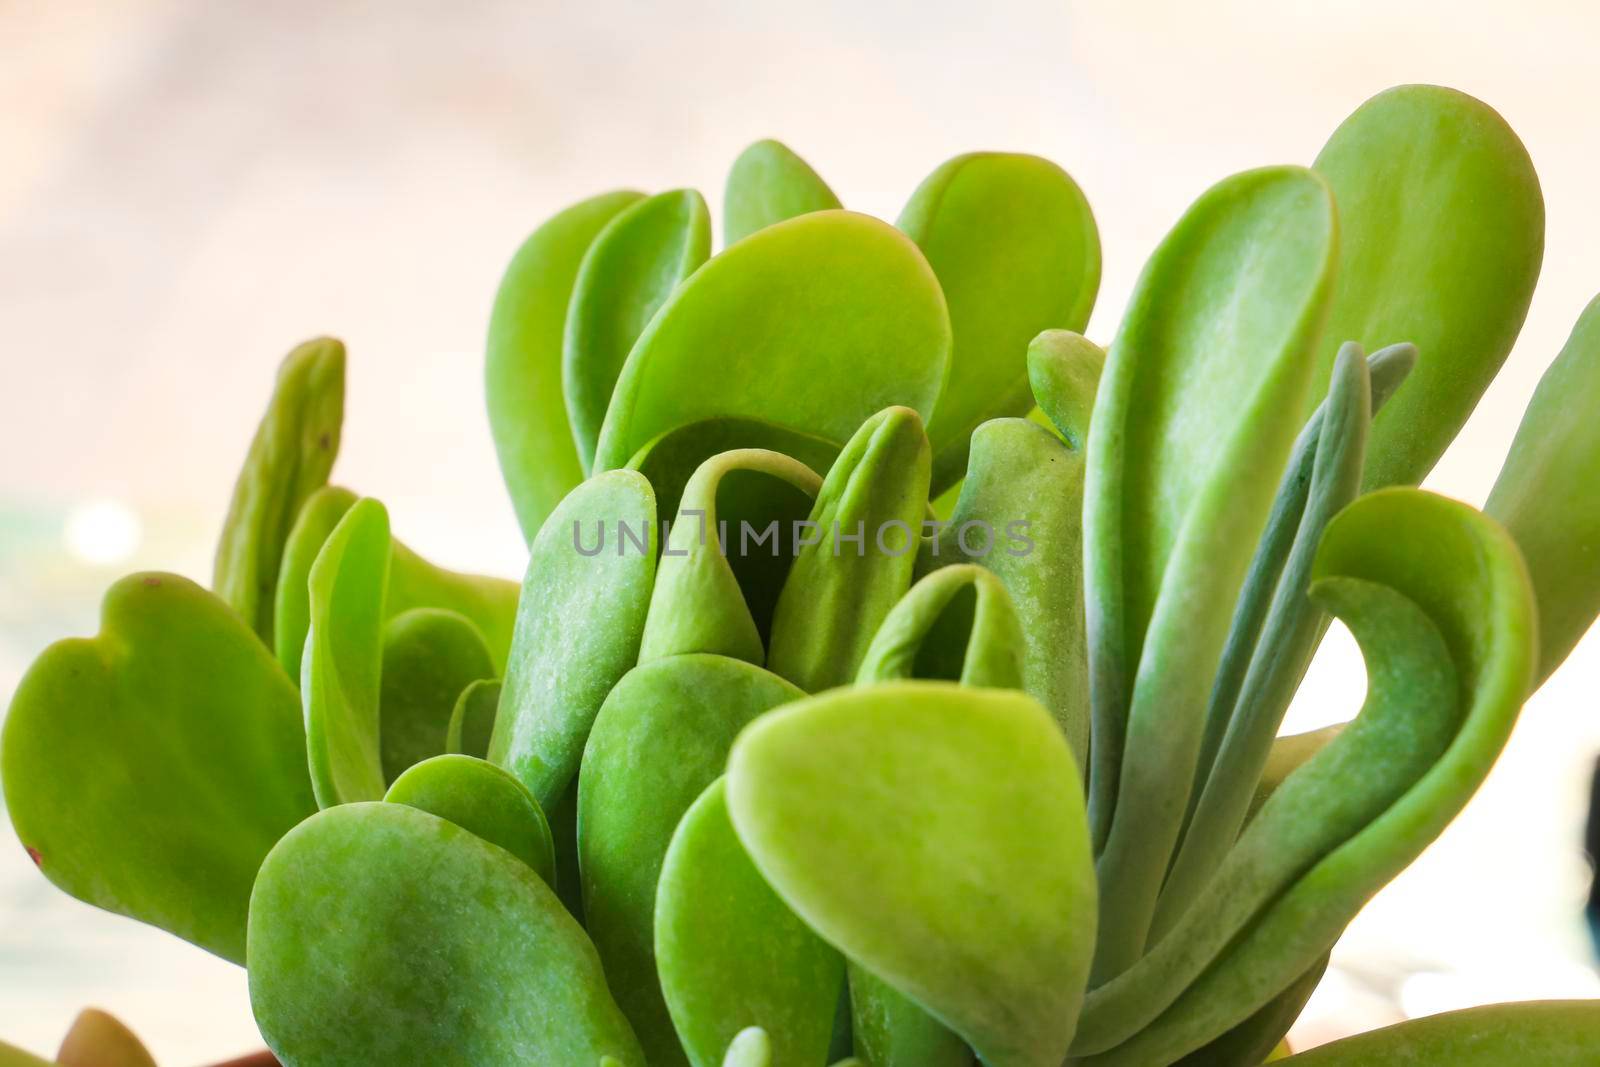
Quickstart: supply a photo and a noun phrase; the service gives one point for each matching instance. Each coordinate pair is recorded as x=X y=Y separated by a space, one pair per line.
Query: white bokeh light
x=102 y=532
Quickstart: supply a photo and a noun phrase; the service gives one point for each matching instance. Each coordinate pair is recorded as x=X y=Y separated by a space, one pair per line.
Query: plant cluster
x=910 y=799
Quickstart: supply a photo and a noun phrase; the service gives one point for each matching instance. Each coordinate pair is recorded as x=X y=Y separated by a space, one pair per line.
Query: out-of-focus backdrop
x=188 y=188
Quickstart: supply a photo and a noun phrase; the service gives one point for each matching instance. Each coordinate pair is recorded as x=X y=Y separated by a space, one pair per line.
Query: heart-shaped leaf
x=482 y=798
x=1546 y=497
x=768 y=184
x=756 y=961
x=1203 y=392
x=429 y=657
x=813 y=325
x=149 y=769
x=289 y=459
x=522 y=371
x=1442 y=234
x=662 y=736
x=383 y=936
x=896 y=819
x=341 y=671
x=1015 y=248
x=635 y=263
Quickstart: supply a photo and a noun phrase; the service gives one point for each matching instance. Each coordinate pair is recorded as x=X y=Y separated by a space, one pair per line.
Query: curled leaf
x=289 y=459
x=1463 y=571
x=728 y=552
x=868 y=514
x=1203 y=391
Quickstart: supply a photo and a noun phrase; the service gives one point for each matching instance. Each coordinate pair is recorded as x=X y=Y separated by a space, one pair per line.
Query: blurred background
x=189 y=188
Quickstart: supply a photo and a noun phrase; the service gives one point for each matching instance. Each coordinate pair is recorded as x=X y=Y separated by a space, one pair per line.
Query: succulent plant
x=896 y=674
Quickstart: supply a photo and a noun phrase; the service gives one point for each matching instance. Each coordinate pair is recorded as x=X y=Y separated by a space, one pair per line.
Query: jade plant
x=897 y=675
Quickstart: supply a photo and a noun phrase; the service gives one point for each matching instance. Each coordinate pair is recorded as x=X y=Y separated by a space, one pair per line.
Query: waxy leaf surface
x=522 y=368
x=749 y=959
x=383 y=936
x=148 y=770
x=1016 y=251
x=814 y=325
x=895 y=818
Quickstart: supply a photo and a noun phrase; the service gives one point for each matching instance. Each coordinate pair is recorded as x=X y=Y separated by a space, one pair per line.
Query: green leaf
x=1546 y=497
x=892 y=1030
x=756 y=961
x=1260 y=1038
x=382 y=936
x=1064 y=373
x=750 y=1047
x=11 y=1056
x=1203 y=391
x=149 y=769
x=1410 y=715
x=289 y=459
x=429 y=657
x=472 y=719
x=768 y=184
x=957 y=624
x=522 y=369
x=728 y=553
x=894 y=819
x=98 y=1039
x=661 y=737
x=490 y=603
x=1551 y=1033
x=1463 y=571
x=634 y=264
x=1020 y=516
x=812 y=325
x=560 y=671
x=342 y=670
x=480 y=797
x=868 y=514
x=1442 y=234
x=1015 y=248
x=1248 y=703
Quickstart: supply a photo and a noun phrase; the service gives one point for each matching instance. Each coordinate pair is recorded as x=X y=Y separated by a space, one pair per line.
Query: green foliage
x=806 y=772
